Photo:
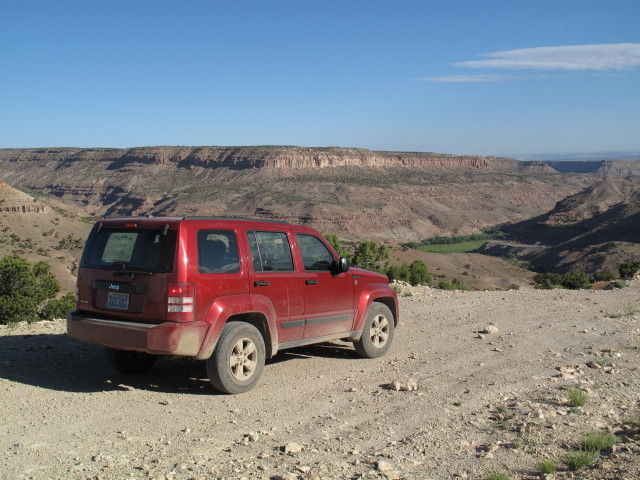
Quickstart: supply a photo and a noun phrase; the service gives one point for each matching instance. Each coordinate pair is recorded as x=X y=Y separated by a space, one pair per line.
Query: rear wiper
x=119 y=273
x=123 y=270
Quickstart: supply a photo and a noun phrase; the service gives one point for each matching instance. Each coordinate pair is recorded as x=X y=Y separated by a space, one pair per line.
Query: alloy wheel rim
x=243 y=359
x=379 y=332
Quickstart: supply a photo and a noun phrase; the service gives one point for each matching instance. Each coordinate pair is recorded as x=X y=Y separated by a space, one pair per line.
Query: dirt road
x=484 y=403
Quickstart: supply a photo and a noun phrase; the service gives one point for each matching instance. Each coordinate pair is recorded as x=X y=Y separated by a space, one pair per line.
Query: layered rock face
x=260 y=157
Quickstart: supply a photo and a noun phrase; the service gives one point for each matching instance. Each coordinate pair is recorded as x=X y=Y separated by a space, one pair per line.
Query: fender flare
x=375 y=292
x=224 y=308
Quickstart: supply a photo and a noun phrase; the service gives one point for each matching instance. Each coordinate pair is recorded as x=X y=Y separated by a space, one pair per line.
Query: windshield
x=127 y=249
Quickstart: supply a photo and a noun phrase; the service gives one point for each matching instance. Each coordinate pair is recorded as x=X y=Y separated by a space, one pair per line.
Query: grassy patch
x=598 y=441
x=548 y=466
x=453 y=247
x=580 y=459
x=577 y=396
x=630 y=311
x=523 y=264
x=497 y=476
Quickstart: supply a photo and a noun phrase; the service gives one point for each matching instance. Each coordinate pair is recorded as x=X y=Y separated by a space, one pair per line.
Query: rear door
x=124 y=271
x=328 y=297
x=274 y=276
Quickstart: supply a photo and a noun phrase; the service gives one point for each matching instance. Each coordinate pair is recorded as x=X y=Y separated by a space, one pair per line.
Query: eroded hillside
x=356 y=193
x=595 y=229
x=42 y=230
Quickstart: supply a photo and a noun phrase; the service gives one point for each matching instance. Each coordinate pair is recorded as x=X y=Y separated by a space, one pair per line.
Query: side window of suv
x=218 y=251
x=315 y=255
x=270 y=251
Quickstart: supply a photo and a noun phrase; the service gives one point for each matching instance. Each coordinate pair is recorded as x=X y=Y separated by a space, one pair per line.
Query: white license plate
x=118 y=300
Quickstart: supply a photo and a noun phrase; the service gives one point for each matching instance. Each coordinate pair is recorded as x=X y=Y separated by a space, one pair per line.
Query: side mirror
x=343 y=265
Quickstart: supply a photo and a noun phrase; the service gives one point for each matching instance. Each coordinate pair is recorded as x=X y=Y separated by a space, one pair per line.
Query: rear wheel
x=238 y=360
x=377 y=333
x=128 y=361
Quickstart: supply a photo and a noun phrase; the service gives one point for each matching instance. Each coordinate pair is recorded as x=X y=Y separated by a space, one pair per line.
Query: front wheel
x=377 y=333
x=238 y=360
x=128 y=361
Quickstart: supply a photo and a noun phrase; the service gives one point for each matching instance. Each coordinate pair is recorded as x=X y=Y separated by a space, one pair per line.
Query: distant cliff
x=258 y=157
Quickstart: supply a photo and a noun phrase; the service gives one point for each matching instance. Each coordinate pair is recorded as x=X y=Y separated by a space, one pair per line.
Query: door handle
x=261 y=283
x=311 y=282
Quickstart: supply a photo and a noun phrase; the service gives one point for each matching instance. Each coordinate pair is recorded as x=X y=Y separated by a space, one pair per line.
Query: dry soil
x=485 y=402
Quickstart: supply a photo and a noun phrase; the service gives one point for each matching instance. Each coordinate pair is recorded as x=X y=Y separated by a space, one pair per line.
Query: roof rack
x=218 y=217
x=234 y=219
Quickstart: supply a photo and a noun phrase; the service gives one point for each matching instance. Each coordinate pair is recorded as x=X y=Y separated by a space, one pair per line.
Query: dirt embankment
x=484 y=403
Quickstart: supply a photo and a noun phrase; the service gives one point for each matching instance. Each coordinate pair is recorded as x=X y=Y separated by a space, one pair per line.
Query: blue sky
x=464 y=77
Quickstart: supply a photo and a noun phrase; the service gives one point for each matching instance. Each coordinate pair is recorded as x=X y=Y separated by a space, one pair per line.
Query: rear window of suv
x=143 y=250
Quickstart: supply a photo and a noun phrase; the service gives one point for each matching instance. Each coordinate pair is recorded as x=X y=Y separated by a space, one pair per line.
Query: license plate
x=118 y=300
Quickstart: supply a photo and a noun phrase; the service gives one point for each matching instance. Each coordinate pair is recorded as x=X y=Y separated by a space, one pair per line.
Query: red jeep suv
x=229 y=291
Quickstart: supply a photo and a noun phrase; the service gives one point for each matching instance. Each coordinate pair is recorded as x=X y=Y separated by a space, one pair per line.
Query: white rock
x=292 y=448
x=405 y=384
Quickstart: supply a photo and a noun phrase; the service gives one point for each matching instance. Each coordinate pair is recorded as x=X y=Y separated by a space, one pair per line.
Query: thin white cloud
x=612 y=56
x=464 y=78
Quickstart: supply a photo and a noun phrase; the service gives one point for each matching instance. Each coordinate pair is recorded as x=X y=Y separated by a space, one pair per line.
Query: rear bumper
x=168 y=338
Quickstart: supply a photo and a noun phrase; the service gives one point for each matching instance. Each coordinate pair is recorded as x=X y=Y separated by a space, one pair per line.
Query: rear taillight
x=180 y=301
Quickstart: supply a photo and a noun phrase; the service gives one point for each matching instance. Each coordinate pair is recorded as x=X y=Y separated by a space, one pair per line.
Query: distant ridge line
x=259 y=157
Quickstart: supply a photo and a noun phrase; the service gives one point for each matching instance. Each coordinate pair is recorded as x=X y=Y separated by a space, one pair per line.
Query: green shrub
x=547 y=280
x=572 y=281
x=603 y=276
x=335 y=242
x=370 y=256
x=24 y=288
x=454 y=284
x=416 y=274
x=419 y=273
x=575 y=281
x=398 y=272
x=58 y=307
x=629 y=269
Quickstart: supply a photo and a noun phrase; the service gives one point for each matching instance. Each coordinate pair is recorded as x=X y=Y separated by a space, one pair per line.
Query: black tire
x=238 y=360
x=128 y=361
x=377 y=334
